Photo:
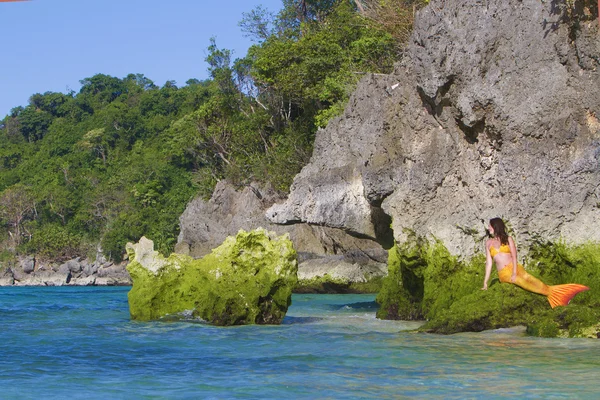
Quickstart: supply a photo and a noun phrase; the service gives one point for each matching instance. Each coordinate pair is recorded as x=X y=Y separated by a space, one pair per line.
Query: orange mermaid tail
x=558 y=295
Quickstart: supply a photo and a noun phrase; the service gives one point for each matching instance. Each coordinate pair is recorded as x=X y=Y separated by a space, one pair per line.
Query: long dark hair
x=499 y=230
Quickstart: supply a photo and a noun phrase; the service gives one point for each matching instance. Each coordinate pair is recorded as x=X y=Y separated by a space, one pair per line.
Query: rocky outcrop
x=321 y=250
x=426 y=282
x=247 y=280
x=493 y=112
x=27 y=271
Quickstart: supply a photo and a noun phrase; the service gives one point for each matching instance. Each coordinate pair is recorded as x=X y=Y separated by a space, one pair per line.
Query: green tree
x=16 y=207
x=96 y=142
x=34 y=123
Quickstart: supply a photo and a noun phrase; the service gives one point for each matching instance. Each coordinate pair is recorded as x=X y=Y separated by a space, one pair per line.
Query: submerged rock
x=247 y=280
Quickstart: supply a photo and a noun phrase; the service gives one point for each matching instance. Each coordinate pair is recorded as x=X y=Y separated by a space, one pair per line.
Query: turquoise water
x=78 y=343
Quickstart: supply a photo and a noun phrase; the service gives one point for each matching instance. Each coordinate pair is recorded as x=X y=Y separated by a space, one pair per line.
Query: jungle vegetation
x=122 y=157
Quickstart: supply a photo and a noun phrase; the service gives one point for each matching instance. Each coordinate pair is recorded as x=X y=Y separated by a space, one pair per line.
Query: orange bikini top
x=502 y=249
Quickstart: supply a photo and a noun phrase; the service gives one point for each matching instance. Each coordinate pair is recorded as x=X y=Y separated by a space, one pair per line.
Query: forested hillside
x=122 y=157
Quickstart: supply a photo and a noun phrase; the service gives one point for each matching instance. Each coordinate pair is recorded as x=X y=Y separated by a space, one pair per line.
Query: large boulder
x=247 y=280
x=27 y=264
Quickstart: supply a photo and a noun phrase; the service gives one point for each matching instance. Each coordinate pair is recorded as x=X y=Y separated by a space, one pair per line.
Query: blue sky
x=50 y=45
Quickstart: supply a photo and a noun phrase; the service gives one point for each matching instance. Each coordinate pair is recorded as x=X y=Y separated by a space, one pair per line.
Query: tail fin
x=561 y=295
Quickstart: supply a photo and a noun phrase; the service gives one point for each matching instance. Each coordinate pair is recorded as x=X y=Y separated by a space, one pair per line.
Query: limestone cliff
x=493 y=112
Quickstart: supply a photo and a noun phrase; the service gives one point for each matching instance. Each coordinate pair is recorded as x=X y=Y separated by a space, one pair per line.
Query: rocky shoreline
x=317 y=276
x=355 y=272
x=27 y=271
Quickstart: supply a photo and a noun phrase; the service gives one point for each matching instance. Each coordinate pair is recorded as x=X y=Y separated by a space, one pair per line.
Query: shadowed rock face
x=247 y=280
x=494 y=112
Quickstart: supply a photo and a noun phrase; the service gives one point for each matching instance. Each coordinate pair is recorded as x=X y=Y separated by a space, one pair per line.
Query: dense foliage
x=122 y=157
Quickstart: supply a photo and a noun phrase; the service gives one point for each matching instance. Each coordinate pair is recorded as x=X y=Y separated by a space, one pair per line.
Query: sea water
x=79 y=343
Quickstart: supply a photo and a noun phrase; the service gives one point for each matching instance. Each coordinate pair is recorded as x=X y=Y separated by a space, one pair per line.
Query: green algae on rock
x=426 y=282
x=247 y=280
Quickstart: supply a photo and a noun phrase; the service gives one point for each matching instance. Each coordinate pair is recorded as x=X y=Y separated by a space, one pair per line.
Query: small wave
x=363 y=305
x=183 y=316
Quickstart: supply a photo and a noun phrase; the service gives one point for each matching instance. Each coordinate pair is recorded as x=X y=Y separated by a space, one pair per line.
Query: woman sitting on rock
x=501 y=249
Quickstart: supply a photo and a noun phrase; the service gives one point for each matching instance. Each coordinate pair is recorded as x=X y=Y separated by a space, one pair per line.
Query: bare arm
x=488 y=266
x=513 y=253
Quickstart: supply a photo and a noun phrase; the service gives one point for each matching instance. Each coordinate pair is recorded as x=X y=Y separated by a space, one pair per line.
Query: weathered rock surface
x=27 y=264
x=343 y=267
x=494 y=112
x=321 y=250
x=247 y=280
x=6 y=277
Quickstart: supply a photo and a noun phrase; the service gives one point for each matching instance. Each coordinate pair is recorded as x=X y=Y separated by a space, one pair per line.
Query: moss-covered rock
x=426 y=282
x=401 y=294
x=247 y=280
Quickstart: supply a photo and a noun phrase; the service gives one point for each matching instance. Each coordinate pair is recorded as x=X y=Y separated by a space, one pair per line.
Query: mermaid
x=501 y=249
